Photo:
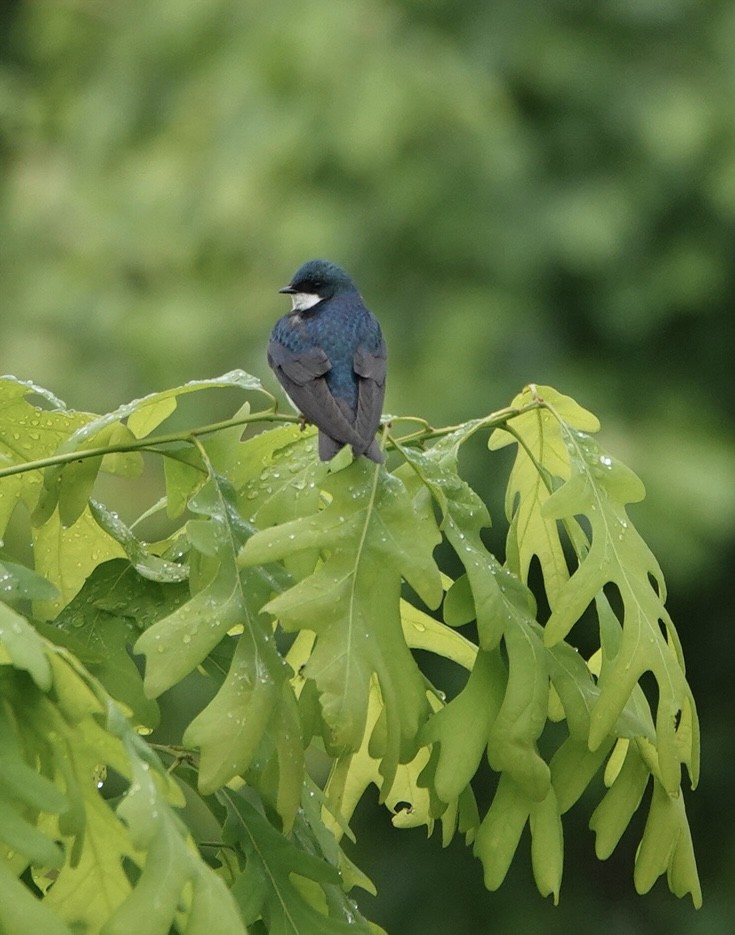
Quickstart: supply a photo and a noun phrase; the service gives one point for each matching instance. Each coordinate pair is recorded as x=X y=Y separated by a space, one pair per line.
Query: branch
x=152 y=444
x=145 y=444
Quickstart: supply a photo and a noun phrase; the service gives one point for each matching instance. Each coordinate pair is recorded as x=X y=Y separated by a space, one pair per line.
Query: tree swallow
x=329 y=355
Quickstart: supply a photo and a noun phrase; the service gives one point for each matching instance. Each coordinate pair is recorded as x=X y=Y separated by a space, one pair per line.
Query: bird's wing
x=370 y=366
x=298 y=368
x=302 y=377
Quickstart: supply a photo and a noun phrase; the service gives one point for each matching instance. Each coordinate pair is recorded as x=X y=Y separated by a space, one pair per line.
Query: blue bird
x=329 y=355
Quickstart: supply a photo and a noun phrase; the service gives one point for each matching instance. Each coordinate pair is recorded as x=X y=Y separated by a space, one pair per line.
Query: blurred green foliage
x=541 y=191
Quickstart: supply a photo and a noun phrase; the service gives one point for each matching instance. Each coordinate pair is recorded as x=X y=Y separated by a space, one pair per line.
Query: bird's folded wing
x=298 y=367
x=302 y=377
x=370 y=366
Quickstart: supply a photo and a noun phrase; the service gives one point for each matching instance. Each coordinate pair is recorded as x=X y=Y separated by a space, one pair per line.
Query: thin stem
x=494 y=420
x=144 y=444
x=153 y=442
x=172 y=749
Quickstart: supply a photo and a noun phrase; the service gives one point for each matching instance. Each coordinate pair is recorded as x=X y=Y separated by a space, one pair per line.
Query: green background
x=534 y=191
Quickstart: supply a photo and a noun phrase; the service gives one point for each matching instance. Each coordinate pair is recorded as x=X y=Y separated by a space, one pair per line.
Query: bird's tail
x=372 y=451
x=328 y=447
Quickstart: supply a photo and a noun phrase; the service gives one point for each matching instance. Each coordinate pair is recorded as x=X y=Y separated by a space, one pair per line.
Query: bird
x=329 y=355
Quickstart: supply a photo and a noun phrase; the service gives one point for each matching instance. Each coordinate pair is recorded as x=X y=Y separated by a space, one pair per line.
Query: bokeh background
x=537 y=191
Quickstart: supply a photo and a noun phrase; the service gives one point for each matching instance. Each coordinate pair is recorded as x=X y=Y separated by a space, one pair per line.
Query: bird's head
x=314 y=281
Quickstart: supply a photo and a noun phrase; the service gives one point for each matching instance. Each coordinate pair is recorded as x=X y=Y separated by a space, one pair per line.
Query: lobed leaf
x=369 y=539
x=283 y=883
x=146 y=563
x=29 y=433
x=541 y=462
x=180 y=641
x=20 y=583
x=499 y=598
x=599 y=487
x=103 y=621
x=461 y=728
x=21 y=912
x=503 y=609
x=54 y=741
x=255 y=702
x=67 y=556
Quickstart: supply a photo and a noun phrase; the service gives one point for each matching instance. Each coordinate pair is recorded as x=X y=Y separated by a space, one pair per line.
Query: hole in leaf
x=445 y=675
x=114 y=784
x=677 y=720
x=536 y=584
x=131 y=870
x=403 y=807
x=585 y=525
x=584 y=635
x=653 y=581
x=614 y=599
x=649 y=685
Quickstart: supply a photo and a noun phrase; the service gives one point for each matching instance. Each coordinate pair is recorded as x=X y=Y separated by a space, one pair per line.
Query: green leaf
x=599 y=487
x=541 y=461
x=20 y=781
x=29 y=433
x=21 y=912
x=424 y=632
x=184 y=475
x=69 y=485
x=146 y=414
x=55 y=745
x=620 y=802
x=573 y=767
x=410 y=798
x=500 y=600
x=503 y=609
x=104 y=620
x=170 y=864
x=547 y=846
x=271 y=887
x=180 y=641
x=255 y=700
x=500 y=832
x=356 y=544
x=312 y=833
x=522 y=715
x=666 y=847
x=555 y=454
x=22 y=646
x=20 y=583
x=370 y=538
x=278 y=479
x=459 y=604
x=145 y=562
x=462 y=727
x=67 y=556
x=91 y=889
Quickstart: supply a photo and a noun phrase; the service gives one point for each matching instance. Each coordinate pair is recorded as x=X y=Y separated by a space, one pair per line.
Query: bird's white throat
x=300 y=301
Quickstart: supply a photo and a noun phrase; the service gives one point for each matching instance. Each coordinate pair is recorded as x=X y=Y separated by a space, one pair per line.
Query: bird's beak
x=288 y=290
